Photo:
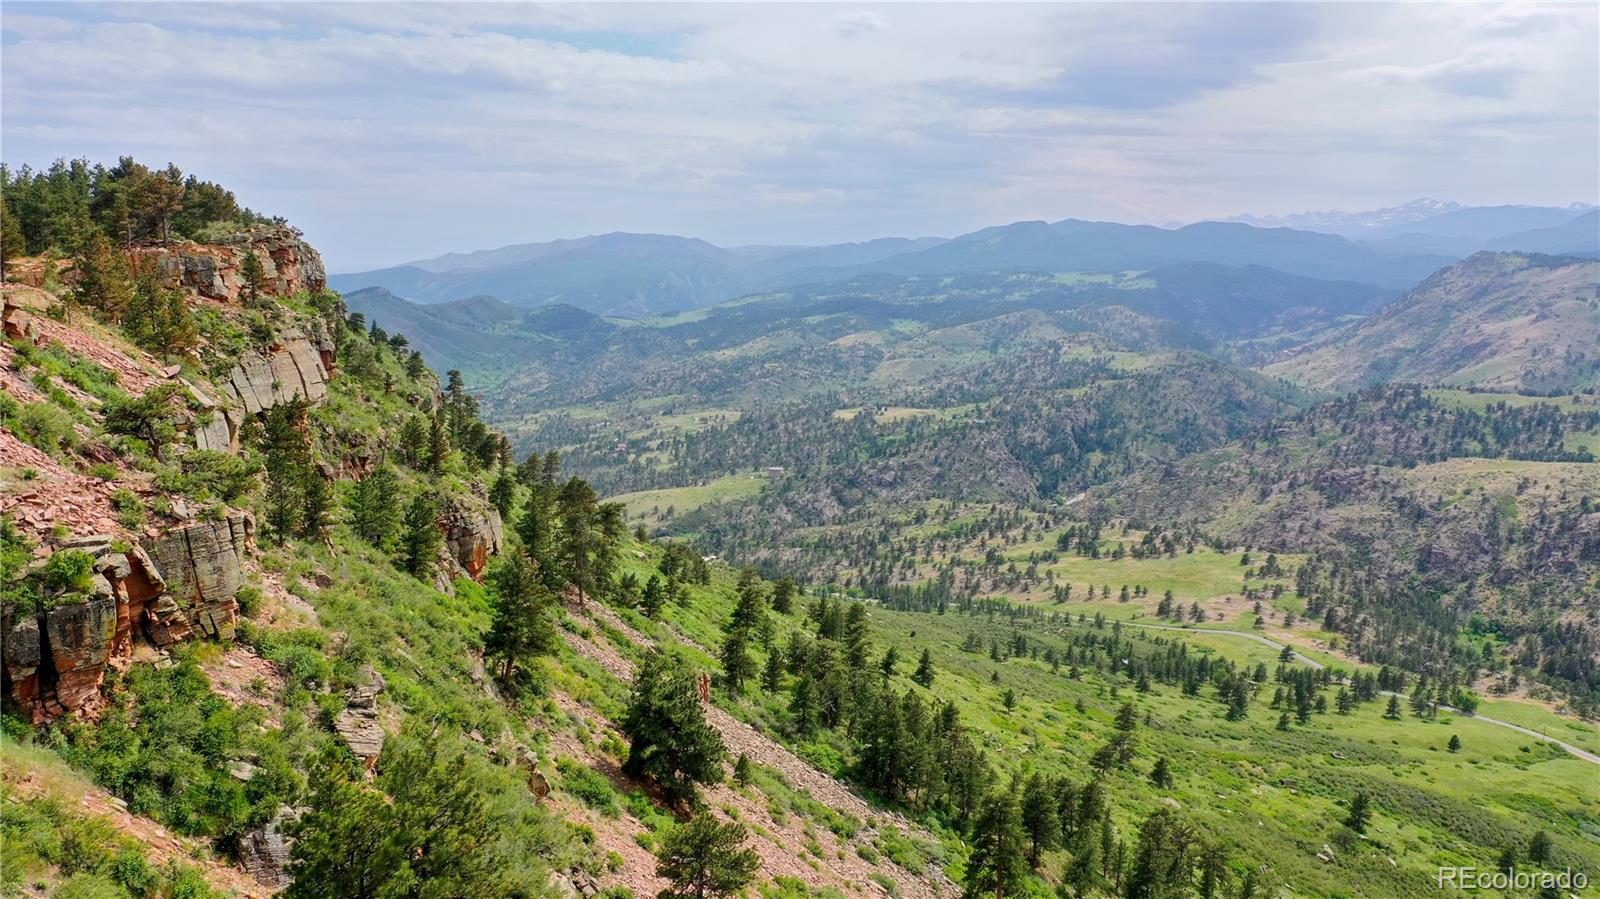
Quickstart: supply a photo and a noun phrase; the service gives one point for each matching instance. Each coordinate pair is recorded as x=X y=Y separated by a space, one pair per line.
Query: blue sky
x=391 y=132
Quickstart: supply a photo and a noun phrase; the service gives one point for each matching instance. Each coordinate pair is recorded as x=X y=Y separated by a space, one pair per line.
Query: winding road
x=1583 y=754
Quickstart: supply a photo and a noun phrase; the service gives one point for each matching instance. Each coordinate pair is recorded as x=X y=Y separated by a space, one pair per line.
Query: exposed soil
x=789 y=847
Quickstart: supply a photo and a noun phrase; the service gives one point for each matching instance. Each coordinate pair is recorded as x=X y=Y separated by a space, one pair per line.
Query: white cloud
x=391 y=131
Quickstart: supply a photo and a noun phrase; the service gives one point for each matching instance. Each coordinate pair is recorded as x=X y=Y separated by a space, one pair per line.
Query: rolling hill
x=1496 y=320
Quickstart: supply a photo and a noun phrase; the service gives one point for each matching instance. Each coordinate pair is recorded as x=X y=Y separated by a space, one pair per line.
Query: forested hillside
x=1001 y=583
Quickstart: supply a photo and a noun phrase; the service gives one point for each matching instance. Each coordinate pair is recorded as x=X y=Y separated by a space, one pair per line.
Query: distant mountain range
x=616 y=274
x=639 y=275
x=1446 y=228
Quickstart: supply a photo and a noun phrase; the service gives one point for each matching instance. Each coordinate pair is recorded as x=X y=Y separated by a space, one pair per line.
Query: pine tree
x=412 y=442
x=523 y=621
x=997 y=865
x=803 y=712
x=149 y=417
x=1360 y=813
x=653 y=597
x=1539 y=848
x=748 y=613
x=1163 y=863
x=737 y=665
x=12 y=242
x=438 y=446
x=924 y=673
x=104 y=283
x=254 y=275
x=1040 y=816
x=1393 y=711
x=670 y=740
x=772 y=673
x=1214 y=874
x=783 y=593
x=537 y=528
x=420 y=543
x=288 y=457
x=890 y=661
x=1455 y=743
x=375 y=506
x=504 y=492
x=318 y=499
x=578 y=539
x=1161 y=774
x=705 y=859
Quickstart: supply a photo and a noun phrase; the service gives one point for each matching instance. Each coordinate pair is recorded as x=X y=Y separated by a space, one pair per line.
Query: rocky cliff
x=175 y=584
x=215 y=271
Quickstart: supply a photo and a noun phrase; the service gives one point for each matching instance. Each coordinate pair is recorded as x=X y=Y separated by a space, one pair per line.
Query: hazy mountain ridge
x=637 y=275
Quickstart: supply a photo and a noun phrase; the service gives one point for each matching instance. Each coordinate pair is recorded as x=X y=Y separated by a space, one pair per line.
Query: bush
x=249 y=599
x=130 y=509
x=47 y=427
x=167 y=749
x=210 y=473
x=589 y=786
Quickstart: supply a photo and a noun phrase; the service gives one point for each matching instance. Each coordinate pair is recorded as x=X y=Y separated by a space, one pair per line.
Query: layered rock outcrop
x=297 y=366
x=264 y=852
x=204 y=568
x=174 y=585
x=358 y=724
x=216 y=271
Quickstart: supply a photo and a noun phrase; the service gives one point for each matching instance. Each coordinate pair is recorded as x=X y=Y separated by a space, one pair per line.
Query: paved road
x=1584 y=754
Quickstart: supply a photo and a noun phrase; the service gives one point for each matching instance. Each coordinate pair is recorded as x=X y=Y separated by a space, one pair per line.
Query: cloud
x=394 y=131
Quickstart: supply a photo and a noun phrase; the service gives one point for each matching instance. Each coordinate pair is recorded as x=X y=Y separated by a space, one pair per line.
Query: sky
x=390 y=132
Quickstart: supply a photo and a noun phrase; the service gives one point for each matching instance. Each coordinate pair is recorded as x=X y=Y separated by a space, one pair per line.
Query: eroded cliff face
x=289 y=265
x=178 y=584
x=297 y=365
x=473 y=532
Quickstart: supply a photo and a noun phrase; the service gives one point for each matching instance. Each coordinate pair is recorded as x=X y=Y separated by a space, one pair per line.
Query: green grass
x=1535 y=716
x=652 y=506
x=1274 y=797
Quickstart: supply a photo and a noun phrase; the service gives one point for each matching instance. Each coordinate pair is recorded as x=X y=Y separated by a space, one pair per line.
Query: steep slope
x=252 y=586
x=1496 y=320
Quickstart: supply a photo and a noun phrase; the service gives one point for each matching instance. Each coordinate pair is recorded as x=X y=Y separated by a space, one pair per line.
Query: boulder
x=473 y=532
x=80 y=635
x=19 y=305
x=264 y=852
x=358 y=724
x=203 y=567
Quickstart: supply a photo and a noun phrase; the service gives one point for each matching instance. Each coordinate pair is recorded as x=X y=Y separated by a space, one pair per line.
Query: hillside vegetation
x=1496 y=321
x=998 y=583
